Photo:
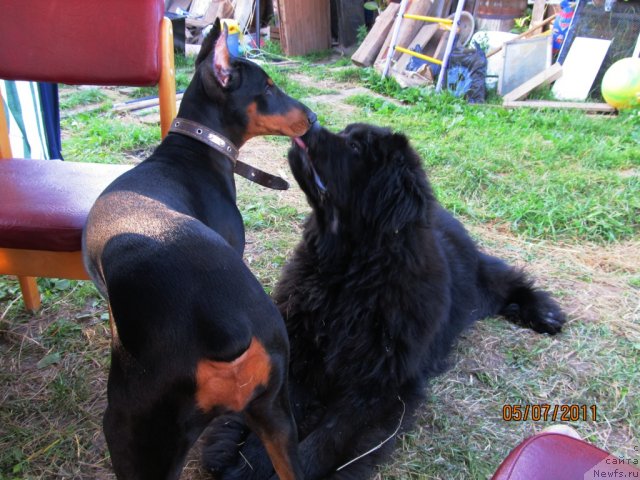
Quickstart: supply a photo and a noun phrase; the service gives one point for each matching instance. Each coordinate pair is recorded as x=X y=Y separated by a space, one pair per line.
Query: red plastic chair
x=44 y=203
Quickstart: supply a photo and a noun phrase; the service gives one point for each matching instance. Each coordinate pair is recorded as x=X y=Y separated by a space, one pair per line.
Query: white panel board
x=580 y=68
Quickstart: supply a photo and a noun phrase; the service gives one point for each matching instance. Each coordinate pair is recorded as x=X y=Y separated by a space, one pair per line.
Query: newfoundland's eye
x=355 y=147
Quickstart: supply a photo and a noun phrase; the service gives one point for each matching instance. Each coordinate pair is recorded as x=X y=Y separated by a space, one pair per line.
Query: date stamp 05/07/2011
x=544 y=412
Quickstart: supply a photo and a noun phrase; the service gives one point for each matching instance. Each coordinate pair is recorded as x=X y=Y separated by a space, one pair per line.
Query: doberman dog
x=194 y=333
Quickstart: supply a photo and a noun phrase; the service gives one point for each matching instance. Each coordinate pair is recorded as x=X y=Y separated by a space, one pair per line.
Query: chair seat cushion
x=44 y=203
x=555 y=456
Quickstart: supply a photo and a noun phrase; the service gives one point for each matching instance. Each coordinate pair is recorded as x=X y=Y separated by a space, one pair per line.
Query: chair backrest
x=81 y=41
x=88 y=42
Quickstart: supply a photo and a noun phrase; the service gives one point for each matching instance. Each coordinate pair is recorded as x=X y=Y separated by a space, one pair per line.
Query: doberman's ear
x=209 y=42
x=222 y=59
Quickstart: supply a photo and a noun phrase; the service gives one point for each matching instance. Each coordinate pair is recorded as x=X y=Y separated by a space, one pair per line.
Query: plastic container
x=233 y=37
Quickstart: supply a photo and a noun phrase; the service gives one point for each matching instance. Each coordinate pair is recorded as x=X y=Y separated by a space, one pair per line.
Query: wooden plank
x=140 y=104
x=442 y=44
x=414 y=79
x=441 y=8
x=580 y=68
x=366 y=54
x=585 y=106
x=436 y=44
x=243 y=13
x=40 y=263
x=427 y=31
x=537 y=15
x=545 y=77
x=526 y=34
x=305 y=26
x=408 y=28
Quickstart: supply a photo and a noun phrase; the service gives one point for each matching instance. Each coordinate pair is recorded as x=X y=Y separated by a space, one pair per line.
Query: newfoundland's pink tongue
x=320 y=184
x=300 y=143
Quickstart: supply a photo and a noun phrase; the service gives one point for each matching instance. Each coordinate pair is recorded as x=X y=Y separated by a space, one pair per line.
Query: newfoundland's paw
x=538 y=312
x=222 y=443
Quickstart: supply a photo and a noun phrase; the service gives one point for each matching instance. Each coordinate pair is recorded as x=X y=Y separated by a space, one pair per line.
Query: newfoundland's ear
x=216 y=41
x=392 y=147
x=397 y=147
x=393 y=197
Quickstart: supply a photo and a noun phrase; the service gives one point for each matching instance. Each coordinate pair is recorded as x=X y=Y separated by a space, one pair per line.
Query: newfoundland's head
x=364 y=180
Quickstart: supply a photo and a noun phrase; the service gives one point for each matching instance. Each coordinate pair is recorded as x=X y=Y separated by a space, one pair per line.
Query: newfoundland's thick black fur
x=374 y=297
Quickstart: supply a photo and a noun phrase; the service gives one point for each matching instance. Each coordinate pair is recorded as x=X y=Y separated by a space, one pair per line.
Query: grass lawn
x=557 y=192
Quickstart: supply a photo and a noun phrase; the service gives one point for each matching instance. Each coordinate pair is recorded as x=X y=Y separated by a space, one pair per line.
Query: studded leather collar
x=223 y=145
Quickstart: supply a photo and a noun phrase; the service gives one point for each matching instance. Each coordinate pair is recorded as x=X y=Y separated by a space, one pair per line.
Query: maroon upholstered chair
x=44 y=203
x=554 y=456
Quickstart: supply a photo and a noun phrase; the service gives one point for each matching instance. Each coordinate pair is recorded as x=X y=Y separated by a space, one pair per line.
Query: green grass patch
x=272 y=48
x=81 y=98
x=288 y=85
x=347 y=74
x=547 y=174
x=259 y=216
x=103 y=139
x=555 y=178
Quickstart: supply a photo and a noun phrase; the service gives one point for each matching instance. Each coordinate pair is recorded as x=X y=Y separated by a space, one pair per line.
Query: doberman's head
x=237 y=98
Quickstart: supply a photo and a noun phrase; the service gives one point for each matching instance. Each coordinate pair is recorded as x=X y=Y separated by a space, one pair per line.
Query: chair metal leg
x=30 y=293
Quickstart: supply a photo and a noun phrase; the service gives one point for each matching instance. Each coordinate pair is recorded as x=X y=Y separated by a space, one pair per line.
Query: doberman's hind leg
x=268 y=414
x=270 y=417
x=151 y=420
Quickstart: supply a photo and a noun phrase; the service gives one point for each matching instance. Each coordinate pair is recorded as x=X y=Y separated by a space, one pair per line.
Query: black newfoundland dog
x=374 y=297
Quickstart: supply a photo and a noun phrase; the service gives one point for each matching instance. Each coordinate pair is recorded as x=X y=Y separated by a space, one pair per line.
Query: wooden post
x=366 y=54
x=537 y=15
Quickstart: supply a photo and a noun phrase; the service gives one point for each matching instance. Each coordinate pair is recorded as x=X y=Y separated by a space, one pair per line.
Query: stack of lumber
x=429 y=37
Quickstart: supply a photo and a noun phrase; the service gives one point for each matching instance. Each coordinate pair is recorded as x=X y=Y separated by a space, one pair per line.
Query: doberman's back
x=194 y=333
